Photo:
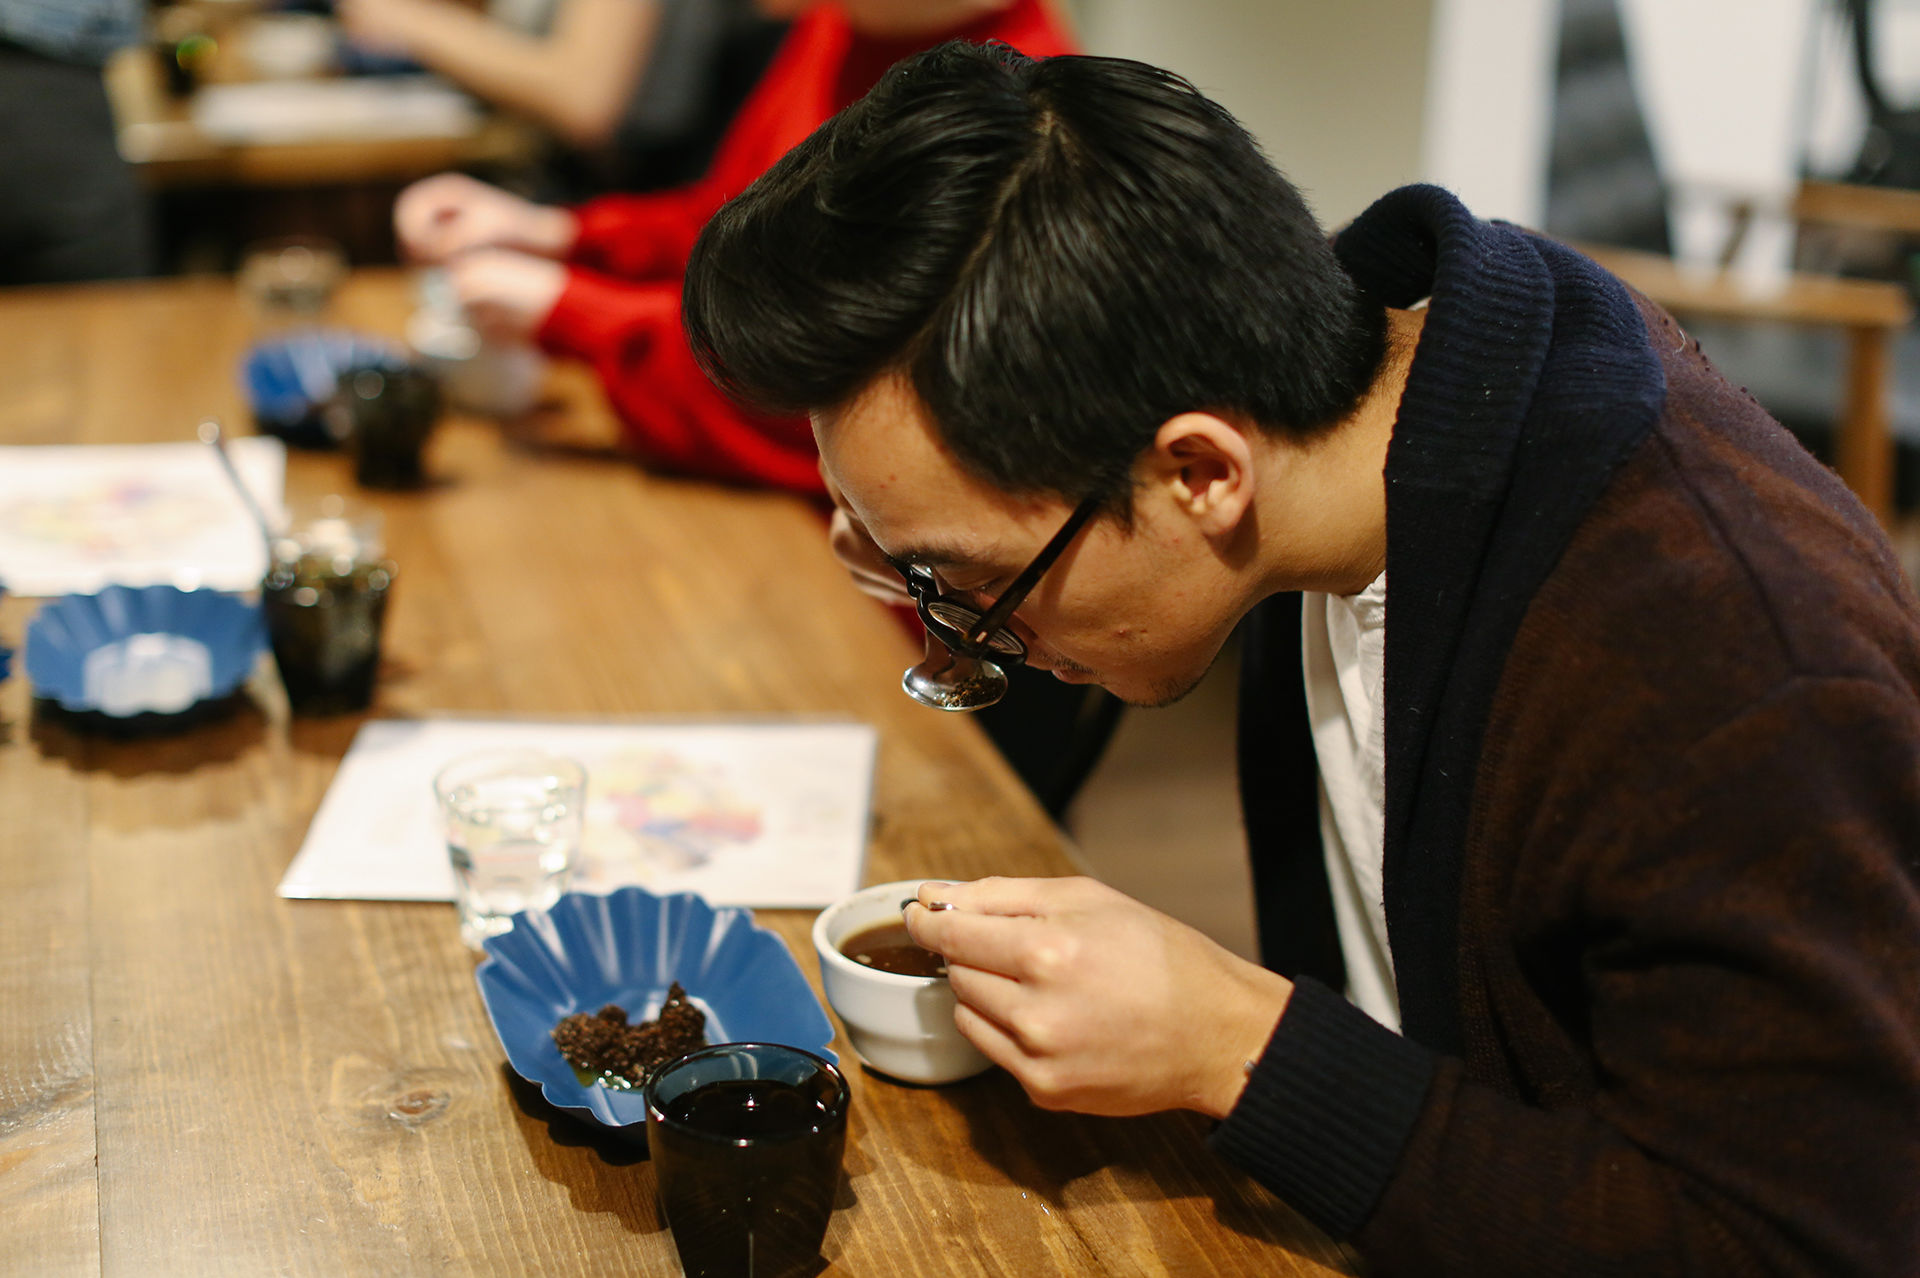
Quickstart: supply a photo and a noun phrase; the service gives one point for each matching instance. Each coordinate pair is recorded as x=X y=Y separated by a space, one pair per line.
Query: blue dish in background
x=153 y=650
x=627 y=947
x=290 y=379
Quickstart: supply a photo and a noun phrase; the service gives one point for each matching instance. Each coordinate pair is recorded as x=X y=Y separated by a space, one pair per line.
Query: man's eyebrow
x=936 y=555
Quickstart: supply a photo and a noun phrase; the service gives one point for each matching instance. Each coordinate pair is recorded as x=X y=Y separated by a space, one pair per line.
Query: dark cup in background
x=746 y=1141
x=386 y=414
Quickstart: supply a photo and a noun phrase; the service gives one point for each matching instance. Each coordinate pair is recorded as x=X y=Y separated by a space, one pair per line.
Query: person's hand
x=441 y=217
x=864 y=562
x=506 y=295
x=1094 y=1002
x=860 y=555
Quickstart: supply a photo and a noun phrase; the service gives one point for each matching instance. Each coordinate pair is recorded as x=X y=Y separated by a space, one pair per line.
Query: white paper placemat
x=76 y=518
x=350 y=108
x=770 y=814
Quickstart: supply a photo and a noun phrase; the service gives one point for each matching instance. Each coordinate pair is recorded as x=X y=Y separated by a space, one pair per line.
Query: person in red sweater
x=601 y=282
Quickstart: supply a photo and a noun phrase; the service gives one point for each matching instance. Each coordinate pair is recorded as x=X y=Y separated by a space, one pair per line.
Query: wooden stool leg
x=1865 y=453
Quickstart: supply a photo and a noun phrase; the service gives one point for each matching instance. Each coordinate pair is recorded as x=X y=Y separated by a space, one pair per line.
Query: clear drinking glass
x=488 y=376
x=290 y=282
x=512 y=822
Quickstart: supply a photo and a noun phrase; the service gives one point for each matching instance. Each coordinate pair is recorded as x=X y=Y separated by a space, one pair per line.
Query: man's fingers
x=1002 y=895
x=988 y=993
x=853 y=547
x=863 y=561
x=994 y=1042
x=1010 y=945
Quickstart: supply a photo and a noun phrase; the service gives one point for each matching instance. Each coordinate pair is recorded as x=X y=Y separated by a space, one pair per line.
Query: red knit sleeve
x=670 y=414
x=621 y=307
x=642 y=237
x=650 y=236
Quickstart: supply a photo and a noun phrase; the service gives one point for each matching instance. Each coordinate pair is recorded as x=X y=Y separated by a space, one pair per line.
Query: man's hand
x=506 y=295
x=1095 y=1002
x=864 y=562
x=859 y=554
x=441 y=217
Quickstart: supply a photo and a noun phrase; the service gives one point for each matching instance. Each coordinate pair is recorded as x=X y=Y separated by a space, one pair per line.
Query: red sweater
x=620 y=310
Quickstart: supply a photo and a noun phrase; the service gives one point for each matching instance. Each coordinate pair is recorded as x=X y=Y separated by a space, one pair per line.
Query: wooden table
x=197 y=1077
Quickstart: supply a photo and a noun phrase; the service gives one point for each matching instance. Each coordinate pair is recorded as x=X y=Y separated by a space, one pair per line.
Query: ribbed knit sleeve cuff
x=624 y=234
x=1328 y=1109
x=593 y=314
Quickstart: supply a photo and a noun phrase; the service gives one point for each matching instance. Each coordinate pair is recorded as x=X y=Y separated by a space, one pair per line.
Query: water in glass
x=512 y=837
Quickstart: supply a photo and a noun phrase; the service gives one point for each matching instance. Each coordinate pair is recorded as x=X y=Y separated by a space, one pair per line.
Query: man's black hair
x=1060 y=254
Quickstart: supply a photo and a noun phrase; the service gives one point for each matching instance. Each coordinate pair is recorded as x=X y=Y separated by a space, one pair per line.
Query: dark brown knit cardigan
x=1653 y=815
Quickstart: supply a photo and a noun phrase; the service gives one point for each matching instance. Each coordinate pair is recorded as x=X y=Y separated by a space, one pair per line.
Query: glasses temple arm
x=1016 y=594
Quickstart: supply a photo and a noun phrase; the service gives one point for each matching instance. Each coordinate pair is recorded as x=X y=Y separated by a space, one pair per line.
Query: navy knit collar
x=1533 y=380
x=1487 y=328
x=1510 y=315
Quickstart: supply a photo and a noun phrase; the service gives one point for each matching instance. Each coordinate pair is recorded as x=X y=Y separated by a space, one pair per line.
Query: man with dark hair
x=1611 y=839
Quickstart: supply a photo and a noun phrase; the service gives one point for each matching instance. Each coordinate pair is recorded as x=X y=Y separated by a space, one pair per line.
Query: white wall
x=1335 y=92
x=1488 y=110
x=1742 y=95
x=1356 y=98
x=1722 y=83
x=1351 y=99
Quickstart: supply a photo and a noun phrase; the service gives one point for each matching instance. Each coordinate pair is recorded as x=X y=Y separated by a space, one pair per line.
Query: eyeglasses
x=967 y=649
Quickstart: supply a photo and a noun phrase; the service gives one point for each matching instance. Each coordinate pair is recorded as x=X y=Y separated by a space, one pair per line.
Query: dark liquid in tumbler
x=391 y=412
x=748 y=1193
x=382 y=460
x=888 y=948
x=325 y=631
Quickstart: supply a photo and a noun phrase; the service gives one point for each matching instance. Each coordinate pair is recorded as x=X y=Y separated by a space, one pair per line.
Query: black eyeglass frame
x=984 y=636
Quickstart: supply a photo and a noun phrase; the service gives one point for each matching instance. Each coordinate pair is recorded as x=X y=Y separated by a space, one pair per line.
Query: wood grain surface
x=199 y=1078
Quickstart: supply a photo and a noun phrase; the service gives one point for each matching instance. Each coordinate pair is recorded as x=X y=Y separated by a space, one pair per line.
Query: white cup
x=289 y=46
x=901 y=1026
x=489 y=378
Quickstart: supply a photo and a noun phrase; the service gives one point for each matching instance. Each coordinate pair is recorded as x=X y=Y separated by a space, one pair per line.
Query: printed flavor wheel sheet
x=768 y=813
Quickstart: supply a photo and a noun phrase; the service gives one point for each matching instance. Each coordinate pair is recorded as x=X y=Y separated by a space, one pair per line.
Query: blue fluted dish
x=627 y=947
x=151 y=650
x=290 y=379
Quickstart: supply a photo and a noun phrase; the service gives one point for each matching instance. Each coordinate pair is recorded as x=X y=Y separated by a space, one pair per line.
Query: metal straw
x=210 y=435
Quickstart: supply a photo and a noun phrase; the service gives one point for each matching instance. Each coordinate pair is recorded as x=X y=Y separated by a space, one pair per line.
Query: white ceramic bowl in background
x=289 y=46
x=901 y=1026
x=492 y=379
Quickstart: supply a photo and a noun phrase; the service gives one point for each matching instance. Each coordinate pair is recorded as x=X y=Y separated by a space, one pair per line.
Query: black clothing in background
x=70 y=208
x=708 y=57
x=1053 y=733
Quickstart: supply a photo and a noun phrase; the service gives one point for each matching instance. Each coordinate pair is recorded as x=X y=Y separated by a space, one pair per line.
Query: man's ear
x=1202 y=466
